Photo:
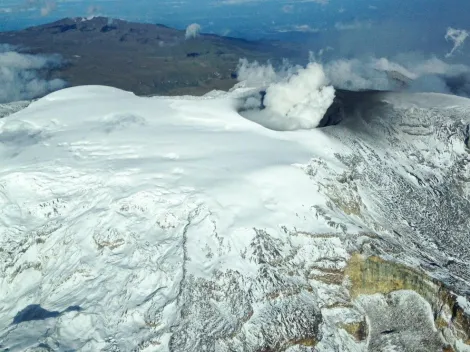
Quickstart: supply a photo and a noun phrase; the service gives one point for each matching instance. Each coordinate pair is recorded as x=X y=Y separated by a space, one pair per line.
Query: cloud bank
x=405 y=72
x=20 y=75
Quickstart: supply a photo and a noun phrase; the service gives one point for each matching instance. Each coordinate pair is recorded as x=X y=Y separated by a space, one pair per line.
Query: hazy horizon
x=424 y=40
x=386 y=25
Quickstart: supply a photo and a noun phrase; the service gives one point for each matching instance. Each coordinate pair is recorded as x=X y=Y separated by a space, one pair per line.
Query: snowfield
x=175 y=224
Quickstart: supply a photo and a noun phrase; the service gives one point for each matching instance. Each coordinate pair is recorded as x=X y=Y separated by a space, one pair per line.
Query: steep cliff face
x=400 y=300
x=407 y=187
x=138 y=224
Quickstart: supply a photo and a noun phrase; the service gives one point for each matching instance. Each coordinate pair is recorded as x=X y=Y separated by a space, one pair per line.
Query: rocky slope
x=11 y=108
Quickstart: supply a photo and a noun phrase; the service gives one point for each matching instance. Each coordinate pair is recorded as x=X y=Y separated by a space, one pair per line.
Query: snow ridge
x=174 y=224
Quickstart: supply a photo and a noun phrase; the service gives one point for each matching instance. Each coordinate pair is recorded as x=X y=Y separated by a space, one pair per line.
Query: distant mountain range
x=144 y=58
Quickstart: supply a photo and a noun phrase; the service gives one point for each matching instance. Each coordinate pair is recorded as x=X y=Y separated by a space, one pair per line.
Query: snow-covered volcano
x=175 y=224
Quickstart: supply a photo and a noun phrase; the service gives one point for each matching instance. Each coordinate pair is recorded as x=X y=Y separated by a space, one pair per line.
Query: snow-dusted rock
x=173 y=224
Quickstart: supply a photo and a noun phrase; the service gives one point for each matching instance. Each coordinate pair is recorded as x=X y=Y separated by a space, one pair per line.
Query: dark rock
x=108 y=28
x=65 y=28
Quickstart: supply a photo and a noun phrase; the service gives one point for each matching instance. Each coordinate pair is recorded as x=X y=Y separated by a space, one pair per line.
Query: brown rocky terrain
x=144 y=58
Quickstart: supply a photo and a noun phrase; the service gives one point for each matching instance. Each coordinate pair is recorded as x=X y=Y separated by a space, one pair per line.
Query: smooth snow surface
x=109 y=194
x=158 y=224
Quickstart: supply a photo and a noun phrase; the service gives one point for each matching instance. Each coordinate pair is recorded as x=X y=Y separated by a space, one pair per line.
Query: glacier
x=175 y=224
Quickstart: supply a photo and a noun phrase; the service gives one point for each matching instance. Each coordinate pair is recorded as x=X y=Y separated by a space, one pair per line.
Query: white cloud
x=288 y=9
x=238 y=2
x=458 y=37
x=346 y=26
x=305 y=28
x=193 y=31
x=47 y=7
x=19 y=75
x=321 y=2
x=235 y=2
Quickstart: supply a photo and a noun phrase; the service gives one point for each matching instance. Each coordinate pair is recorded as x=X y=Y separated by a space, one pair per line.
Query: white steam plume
x=458 y=37
x=254 y=74
x=296 y=97
x=193 y=31
x=302 y=99
x=47 y=7
x=19 y=75
x=356 y=75
x=92 y=11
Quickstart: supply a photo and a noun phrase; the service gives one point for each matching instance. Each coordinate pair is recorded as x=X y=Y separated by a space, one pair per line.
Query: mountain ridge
x=144 y=58
x=175 y=224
